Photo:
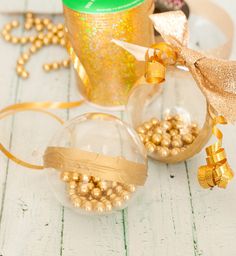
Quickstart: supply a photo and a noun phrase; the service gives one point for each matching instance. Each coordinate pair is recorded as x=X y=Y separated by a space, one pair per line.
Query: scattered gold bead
x=15 y=23
x=125 y=195
x=174 y=132
x=117 y=202
x=100 y=207
x=24 y=74
x=55 y=65
x=149 y=133
x=118 y=189
x=46 y=41
x=156 y=139
x=19 y=69
x=7 y=37
x=47 y=67
x=38 y=44
x=66 y=63
x=39 y=27
x=60 y=34
x=8 y=27
x=165 y=142
x=29 y=15
x=87 y=206
x=112 y=196
x=62 y=42
x=33 y=49
x=175 y=151
x=60 y=26
x=154 y=121
x=159 y=130
x=15 y=40
x=46 y=21
x=23 y=40
x=166 y=125
x=147 y=125
x=131 y=188
x=141 y=130
x=28 y=25
x=55 y=40
x=25 y=56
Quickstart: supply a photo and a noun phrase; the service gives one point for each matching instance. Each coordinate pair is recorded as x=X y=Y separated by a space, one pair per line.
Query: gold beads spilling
x=95 y=195
x=47 y=33
x=167 y=137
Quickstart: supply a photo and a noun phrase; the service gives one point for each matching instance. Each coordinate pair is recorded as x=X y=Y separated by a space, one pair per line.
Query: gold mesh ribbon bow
x=216 y=79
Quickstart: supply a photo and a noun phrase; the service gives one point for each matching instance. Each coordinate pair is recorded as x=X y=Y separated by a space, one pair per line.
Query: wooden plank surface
x=172 y=216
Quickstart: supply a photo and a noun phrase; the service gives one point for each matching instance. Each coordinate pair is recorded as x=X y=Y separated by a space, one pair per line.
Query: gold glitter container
x=106 y=73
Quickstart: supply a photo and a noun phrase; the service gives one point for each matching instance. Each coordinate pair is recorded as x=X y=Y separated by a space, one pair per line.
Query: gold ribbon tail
x=217 y=172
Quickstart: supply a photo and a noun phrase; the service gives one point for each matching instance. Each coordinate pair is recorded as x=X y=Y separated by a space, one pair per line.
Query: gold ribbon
x=217 y=172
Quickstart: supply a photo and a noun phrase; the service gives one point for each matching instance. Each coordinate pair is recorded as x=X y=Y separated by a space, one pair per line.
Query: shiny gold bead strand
x=47 y=33
x=95 y=195
x=167 y=137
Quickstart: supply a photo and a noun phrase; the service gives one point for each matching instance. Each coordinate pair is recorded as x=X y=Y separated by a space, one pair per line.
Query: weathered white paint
x=171 y=217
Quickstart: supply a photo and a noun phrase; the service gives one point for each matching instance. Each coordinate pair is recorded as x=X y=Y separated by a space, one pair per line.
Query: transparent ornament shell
x=178 y=101
x=103 y=134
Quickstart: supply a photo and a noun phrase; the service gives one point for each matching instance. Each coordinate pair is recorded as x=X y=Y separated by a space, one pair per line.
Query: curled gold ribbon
x=217 y=172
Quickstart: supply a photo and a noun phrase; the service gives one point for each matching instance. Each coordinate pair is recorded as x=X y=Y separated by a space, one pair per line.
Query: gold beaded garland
x=48 y=33
x=167 y=137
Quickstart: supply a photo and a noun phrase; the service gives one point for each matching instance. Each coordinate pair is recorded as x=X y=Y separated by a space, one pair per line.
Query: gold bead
x=165 y=142
x=109 y=192
x=60 y=34
x=114 y=184
x=15 y=40
x=164 y=152
x=55 y=40
x=87 y=206
x=156 y=138
x=117 y=202
x=77 y=202
x=177 y=143
x=7 y=37
x=33 y=49
x=55 y=65
x=20 y=61
x=19 y=69
x=47 y=67
x=25 y=56
x=72 y=184
x=75 y=176
x=150 y=147
x=173 y=132
x=65 y=63
x=112 y=196
x=23 y=40
x=108 y=206
x=166 y=136
x=29 y=15
x=65 y=176
x=46 y=21
x=83 y=189
x=46 y=41
x=8 y=27
x=37 y=21
x=103 y=185
x=141 y=130
x=158 y=130
x=147 y=125
x=85 y=178
x=15 y=23
x=24 y=74
x=96 y=193
x=154 y=121
x=60 y=26
x=38 y=44
x=100 y=207
x=49 y=35
x=41 y=36
x=4 y=32
x=90 y=186
x=118 y=189
x=150 y=133
x=28 y=25
x=39 y=27
x=180 y=125
x=188 y=138
x=175 y=151
x=62 y=42
x=166 y=125
x=72 y=192
x=130 y=188
x=125 y=195
x=142 y=137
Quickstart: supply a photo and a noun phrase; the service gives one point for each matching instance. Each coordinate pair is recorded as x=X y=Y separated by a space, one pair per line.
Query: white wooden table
x=173 y=217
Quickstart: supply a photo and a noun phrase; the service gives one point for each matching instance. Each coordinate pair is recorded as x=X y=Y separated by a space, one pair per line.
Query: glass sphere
x=171 y=118
x=102 y=134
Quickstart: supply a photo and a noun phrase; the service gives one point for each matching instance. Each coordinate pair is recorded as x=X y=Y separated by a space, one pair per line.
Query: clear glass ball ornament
x=102 y=134
x=171 y=118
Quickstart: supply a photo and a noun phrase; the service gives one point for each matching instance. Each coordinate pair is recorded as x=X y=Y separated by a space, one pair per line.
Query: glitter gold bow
x=216 y=79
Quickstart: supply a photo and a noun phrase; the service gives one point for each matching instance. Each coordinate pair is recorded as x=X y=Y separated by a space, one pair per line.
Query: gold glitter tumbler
x=106 y=73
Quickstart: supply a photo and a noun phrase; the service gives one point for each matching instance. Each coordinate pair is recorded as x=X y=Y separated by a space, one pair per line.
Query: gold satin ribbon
x=37 y=107
x=217 y=172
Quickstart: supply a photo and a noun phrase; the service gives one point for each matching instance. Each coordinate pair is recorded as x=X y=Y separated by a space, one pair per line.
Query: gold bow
x=216 y=79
